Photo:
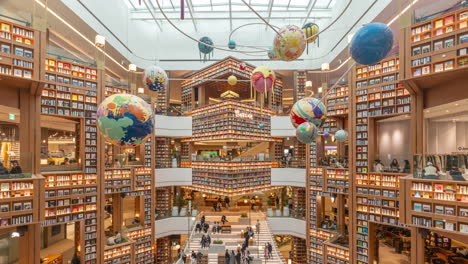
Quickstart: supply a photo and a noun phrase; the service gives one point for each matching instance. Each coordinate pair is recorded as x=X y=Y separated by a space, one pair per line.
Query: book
x=17 y=206
x=4 y=208
x=464 y=212
x=438 y=67
x=426 y=69
x=463 y=24
x=438 y=187
x=448 y=20
x=448 y=65
x=449 y=226
x=426 y=208
x=4 y=187
x=438 y=45
x=438 y=224
x=463 y=16
x=449 y=210
x=463 y=39
x=6 y=27
x=449 y=29
x=439 y=23
x=5 y=48
x=417 y=72
x=439 y=209
x=426 y=49
x=416 y=51
x=448 y=43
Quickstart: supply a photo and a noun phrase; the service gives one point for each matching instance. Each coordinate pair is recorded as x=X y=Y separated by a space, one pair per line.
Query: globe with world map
x=124 y=120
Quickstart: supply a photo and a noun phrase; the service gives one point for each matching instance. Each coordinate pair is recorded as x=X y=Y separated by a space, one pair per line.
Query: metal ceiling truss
x=190 y=8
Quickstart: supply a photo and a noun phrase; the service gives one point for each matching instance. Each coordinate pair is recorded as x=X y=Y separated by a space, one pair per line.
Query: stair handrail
x=275 y=247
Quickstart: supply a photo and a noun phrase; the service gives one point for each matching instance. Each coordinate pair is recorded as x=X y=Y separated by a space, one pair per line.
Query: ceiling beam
x=223 y=17
x=270 y=7
x=309 y=8
x=151 y=12
x=190 y=8
x=172 y=4
x=329 y=3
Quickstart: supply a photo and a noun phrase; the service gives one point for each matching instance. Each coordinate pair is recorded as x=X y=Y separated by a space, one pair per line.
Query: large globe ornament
x=124 y=120
x=310 y=29
x=309 y=109
x=341 y=135
x=232 y=80
x=371 y=43
x=290 y=43
x=306 y=132
x=155 y=78
x=205 y=49
x=263 y=79
x=326 y=135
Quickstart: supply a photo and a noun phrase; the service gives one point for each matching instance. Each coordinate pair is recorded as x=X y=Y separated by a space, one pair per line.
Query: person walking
x=208 y=241
x=202 y=241
x=265 y=251
x=249 y=258
x=215 y=228
x=270 y=250
x=226 y=201
x=193 y=258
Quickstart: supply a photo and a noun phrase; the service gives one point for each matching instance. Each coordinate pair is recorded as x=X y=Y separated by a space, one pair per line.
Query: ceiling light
x=325 y=66
x=132 y=67
x=456 y=104
x=100 y=41
x=141 y=90
x=447 y=111
x=320 y=89
x=308 y=84
x=15 y=234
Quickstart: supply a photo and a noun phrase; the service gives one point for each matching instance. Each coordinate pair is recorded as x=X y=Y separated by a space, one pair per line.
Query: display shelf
x=19 y=201
x=231 y=120
x=19 y=51
x=230 y=178
x=70 y=197
x=163 y=246
x=337 y=102
x=299 y=250
x=142 y=237
x=111 y=90
x=438 y=204
x=337 y=180
x=337 y=254
x=142 y=178
x=299 y=85
x=163 y=201
x=121 y=253
x=439 y=44
x=118 y=180
x=299 y=202
x=163 y=152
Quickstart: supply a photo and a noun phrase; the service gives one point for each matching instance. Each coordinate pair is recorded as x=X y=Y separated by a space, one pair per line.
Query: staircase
x=253 y=151
x=232 y=240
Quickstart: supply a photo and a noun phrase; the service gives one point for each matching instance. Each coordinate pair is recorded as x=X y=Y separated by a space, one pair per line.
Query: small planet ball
x=326 y=135
x=232 y=44
x=242 y=66
x=306 y=132
x=204 y=48
x=125 y=120
x=290 y=43
x=310 y=29
x=309 y=109
x=371 y=43
x=271 y=54
x=232 y=80
x=155 y=78
x=341 y=135
x=263 y=79
x=261 y=125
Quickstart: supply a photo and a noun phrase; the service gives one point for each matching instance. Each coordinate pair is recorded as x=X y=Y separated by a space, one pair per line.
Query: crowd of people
x=15 y=168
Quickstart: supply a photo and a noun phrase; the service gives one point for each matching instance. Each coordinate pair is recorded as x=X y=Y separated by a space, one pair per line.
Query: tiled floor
x=66 y=247
x=387 y=255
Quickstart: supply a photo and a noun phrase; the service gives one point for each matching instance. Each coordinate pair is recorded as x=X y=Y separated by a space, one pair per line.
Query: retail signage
x=242 y=114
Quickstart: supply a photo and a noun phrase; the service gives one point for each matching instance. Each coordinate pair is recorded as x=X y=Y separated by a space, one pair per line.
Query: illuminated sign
x=242 y=114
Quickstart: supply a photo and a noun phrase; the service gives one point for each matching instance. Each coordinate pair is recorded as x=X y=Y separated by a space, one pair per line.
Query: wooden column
x=117 y=213
x=417 y=246
x=340 y=201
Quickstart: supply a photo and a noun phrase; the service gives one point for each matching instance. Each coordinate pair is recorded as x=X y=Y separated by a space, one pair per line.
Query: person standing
x=226 y=201
x=208 y=240
x=257 y=227
x=249 y=258
x=227 y=257
x=193 y=257
x=232 y=258
x=238 y=257
x=265 y=251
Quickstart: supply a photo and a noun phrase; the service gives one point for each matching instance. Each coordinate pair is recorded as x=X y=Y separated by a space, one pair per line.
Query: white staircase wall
x=287 y=226
x=281 y=127
x=172 y=226
x=173 y=126
x=288 y=177
x=173 y=177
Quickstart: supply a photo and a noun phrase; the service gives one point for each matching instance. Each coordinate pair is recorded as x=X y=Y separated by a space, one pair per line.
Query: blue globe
x=232 y=44
x=341 y=135
x=371 y=43
x=204 y=48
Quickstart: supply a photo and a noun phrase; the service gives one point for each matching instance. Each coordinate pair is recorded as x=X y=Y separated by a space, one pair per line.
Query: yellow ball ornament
x=232 y=80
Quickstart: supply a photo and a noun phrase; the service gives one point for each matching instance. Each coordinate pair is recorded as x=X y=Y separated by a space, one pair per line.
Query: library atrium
x=233 y=131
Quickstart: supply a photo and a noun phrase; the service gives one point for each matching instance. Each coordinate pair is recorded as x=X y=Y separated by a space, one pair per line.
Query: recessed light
x=456 y=104
x=447 y=111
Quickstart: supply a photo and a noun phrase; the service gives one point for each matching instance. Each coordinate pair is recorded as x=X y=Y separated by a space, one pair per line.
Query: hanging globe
x=309 y=109
x=232 y=80
x=310 y=29
x=290 y=43
x=205 y=49
x=124 y=120
x=155 y=78
x=306 y=132
x=261 y=125
x=326 y=135
x=263 y=79
x=341 y=135
x=232 y=44
x=242 y=66
x=371 y=43
x=271 y=54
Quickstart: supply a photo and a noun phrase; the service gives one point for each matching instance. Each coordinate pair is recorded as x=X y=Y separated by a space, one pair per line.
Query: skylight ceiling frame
x=270 y=8
x=309 y=8
x=151 y=12
x=190 y=8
